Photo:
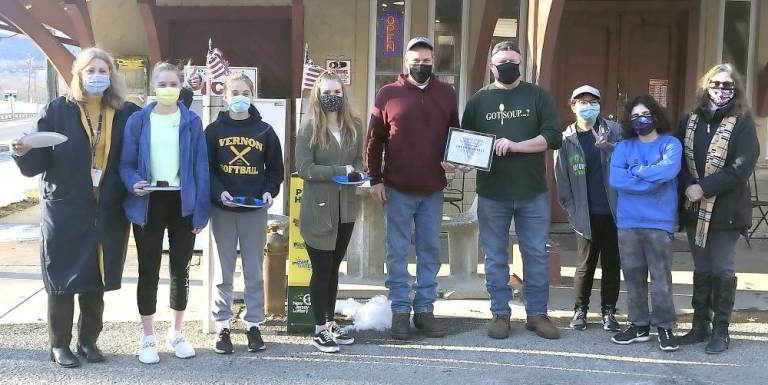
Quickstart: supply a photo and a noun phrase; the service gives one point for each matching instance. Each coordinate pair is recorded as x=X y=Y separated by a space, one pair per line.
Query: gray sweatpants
x=250 y=229
x=646 y=251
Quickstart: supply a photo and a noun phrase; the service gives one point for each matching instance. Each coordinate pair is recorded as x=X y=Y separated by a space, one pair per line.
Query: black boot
x=701 y=301
x=61 y=309
x=89 y=325
x=723 y=297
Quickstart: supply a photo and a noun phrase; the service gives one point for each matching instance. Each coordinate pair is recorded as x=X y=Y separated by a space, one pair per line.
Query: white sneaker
x=148 y=350
x=179 y=344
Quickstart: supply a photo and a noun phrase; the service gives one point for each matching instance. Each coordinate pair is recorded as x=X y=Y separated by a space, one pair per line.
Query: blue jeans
x=532 y=225
x=401 y=211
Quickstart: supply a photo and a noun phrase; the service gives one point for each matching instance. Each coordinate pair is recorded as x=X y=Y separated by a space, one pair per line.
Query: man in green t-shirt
x=524 y=119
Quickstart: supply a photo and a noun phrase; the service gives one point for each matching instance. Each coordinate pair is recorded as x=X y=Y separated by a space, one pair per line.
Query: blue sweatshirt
x=645 y=177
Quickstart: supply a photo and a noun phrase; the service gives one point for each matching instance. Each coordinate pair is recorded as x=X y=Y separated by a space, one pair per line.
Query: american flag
x=215 y=64
x=311 y=72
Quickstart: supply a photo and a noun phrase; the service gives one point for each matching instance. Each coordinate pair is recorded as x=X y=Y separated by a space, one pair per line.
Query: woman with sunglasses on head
x=84 y=231
x=720 y=151
x=644 y=170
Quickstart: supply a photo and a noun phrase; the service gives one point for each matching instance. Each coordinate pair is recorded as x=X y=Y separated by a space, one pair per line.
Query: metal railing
x=16 y=116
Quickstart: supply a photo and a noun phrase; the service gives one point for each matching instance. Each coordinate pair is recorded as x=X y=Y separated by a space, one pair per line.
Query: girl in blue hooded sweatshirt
x=164 y=166
x=644 y=170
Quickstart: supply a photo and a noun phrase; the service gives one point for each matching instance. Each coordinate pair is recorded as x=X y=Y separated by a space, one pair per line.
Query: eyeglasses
x=721 y=85
x=645 y=113
x=584 y=103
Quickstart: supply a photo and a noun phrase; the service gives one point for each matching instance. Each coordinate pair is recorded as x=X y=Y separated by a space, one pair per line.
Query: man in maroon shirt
x=409 y=125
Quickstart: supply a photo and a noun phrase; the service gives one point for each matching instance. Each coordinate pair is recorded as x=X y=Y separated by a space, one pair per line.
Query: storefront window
x=508 y=27
x=736 y=34
x=390 y=23
x=447 y=39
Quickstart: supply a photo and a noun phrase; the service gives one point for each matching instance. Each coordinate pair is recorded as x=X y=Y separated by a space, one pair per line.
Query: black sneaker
x=609 y=319
x=324 y=342
x=579 y=321
x=668 y=342
x=224 y=343
x=340 y=335
x=255 y=343
x=632 y=334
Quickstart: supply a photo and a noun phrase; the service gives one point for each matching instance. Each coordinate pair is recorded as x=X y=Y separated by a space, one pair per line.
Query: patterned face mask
x=720 y=96
x=331 y=103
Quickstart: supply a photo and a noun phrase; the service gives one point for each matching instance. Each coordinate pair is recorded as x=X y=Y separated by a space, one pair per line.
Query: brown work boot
x=543 y=327
x=401 y=325
x=428 y=324
x=498 y=326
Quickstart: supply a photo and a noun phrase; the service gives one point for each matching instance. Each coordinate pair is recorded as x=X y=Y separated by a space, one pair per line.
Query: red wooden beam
x=49 y=13
x=81 y=22
x=149 y=17
x=10 y=28
x=297 y=47
x=56 y=53
x=491 y=15
x=547 y=65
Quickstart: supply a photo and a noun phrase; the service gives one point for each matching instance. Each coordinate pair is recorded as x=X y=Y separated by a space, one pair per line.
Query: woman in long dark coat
x=84 y=229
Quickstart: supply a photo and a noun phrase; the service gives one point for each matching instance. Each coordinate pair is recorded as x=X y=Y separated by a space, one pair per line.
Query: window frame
x=749 y=76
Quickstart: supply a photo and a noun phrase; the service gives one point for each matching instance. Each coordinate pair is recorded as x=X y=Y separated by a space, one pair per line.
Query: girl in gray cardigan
x=328 y=145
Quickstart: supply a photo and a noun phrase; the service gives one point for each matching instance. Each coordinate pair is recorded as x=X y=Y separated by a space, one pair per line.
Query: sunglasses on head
x=721 y=85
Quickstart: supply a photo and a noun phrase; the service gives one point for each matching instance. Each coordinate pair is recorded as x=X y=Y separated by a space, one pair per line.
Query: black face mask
x=420 y=72
x=508 y=72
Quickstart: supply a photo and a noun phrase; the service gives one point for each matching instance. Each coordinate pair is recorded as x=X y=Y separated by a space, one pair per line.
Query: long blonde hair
x=113 y=96
x=241 y=77
x=321 y=135
x=740 y=97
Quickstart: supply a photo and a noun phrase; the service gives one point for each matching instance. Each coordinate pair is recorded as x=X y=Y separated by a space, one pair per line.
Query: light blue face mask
x=589 y=113
x=95 y=84
x=239 y=103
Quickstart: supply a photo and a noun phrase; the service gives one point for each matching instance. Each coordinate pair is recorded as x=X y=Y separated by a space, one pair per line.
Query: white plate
x=43 y=139
x=155 y=188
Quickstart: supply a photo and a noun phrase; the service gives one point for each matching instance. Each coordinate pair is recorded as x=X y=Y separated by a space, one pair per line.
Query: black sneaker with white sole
x=255 y=342
x=668 y=342
x=324 y=342
x=340 y=335
x=633 y=333
x=224 y=343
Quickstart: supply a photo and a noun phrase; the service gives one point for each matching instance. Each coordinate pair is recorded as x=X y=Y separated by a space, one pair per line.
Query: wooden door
x=621 y=47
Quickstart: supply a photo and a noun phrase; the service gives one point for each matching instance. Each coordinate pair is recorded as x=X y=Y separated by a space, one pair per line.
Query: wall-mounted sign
x=218 y=84
x=658 y=89
x=391 y=33
x=343 y=68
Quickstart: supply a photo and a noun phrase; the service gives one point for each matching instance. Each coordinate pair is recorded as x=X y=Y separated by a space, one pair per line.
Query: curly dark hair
x=662 y=121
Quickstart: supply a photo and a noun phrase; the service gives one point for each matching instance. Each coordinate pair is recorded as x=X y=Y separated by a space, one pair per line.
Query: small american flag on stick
x=216 y=65
x=311 y=72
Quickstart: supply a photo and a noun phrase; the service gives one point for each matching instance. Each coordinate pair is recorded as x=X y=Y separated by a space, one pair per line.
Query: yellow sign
x=299 y=268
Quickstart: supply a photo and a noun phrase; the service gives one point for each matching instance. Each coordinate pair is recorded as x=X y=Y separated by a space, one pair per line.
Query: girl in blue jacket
x=644 y=170
x=164 y=165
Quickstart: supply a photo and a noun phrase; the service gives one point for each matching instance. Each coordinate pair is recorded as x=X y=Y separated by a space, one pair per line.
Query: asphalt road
x=15 y=129
x=466 y=356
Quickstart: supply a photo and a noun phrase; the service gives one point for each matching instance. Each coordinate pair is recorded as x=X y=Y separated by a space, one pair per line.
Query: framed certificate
x=469 y=148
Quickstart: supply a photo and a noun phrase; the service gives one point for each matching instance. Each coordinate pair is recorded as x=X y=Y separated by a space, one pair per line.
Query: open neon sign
x=390 y=33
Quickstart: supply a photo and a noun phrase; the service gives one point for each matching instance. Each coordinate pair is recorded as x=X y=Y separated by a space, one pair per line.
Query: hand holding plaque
x=469 y=148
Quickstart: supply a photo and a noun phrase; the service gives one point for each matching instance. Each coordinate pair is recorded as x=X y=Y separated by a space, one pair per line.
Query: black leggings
x=164 y=212
x=325 y=275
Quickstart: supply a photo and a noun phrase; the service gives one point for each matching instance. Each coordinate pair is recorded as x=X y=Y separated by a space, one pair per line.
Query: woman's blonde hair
x=113 y=96
x=164 y=66
x=321 y=135
x=740 y=97
x=241 y=77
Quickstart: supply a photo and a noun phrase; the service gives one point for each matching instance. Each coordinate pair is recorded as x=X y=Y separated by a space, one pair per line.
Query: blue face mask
x=95 y=84
x=239 y=103
x=589 y=113
x=643 y=124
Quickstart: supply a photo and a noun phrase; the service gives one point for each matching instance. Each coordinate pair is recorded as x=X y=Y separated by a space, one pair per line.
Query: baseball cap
x=504 y=46
x=419 y=40
x=585 y=89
